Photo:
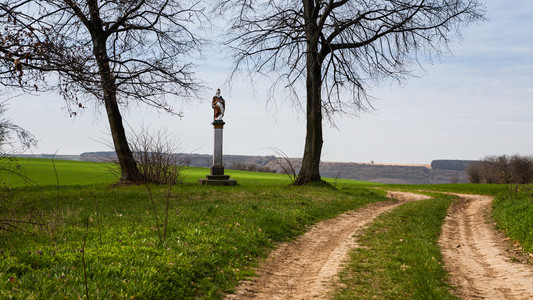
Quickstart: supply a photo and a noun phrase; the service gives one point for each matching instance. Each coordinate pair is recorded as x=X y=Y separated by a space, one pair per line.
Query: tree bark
x=310 y=170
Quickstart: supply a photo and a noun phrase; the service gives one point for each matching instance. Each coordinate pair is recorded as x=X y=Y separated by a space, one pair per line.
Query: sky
x=473 y=102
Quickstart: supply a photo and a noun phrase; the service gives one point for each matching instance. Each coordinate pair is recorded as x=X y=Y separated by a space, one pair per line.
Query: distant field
x=69 y=172
x=439 y=171
x=43 y=172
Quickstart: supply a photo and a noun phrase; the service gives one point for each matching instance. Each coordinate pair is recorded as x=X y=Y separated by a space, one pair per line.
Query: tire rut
x=305 y=268
x=473 y=257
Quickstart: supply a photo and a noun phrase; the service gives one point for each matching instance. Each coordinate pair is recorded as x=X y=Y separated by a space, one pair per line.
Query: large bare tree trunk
x=310 y=170
x=128 y=166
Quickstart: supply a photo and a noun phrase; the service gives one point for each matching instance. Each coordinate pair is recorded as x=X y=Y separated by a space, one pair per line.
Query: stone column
x=217 y=176
x=218 y=166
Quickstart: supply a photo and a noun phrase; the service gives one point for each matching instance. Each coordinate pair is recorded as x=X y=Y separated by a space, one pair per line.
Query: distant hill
x=444 y=164
x=440 y=171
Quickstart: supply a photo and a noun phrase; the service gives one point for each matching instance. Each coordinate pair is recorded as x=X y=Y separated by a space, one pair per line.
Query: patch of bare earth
x=305 y=268
x=476 y=258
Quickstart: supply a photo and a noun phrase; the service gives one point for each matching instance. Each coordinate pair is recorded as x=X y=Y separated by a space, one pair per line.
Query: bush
x=156 y=156
x=448 y=164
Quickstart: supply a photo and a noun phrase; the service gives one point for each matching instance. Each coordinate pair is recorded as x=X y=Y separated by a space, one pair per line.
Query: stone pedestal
x=217 y=176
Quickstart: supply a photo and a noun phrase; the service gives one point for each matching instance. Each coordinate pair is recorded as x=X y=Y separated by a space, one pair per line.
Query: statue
x=217 y=176
x=219 y=106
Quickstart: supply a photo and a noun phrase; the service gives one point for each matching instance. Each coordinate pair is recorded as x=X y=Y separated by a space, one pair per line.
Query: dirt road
x=303 y=269
x=474 y=256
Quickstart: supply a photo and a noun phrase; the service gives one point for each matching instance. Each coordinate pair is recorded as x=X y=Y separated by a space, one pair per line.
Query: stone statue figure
x=219 y=106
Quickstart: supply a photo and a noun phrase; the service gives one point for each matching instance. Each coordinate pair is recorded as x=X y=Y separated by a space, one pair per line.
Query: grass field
x=43 y=172
x=84 y=235
x=85 y=230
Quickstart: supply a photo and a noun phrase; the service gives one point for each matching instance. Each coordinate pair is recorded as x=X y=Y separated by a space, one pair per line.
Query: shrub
x=156 y=156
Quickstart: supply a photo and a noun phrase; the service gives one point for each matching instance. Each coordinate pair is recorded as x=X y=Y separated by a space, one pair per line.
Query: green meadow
x=74 y=233
x=47 y=172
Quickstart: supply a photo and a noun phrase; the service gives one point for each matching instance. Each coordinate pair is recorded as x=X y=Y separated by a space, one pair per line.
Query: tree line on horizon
x=517 y=169
x=324 y=54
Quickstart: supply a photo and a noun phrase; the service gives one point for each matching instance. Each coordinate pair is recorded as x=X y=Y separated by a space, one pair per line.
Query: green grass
x=513 y=213
x=215 y=235
x=399 y=257
x=42 y=172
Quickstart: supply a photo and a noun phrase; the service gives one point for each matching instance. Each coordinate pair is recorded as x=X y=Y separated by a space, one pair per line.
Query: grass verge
x=399 y=257
x=513 y=213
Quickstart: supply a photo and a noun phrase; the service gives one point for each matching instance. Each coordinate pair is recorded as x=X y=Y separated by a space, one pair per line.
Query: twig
x=19 y=221
x=83 y=260
x=167 y=204
x=98 y=221
x=57 y=181
x=4 y=224
x=155 y=212
x=288 y=167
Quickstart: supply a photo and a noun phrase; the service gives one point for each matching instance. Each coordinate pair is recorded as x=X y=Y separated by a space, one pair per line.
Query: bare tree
x=521 y=169
x=337 y=48
x=112 y=52
x=502 y=169
x=13 y=140
x=474 y=172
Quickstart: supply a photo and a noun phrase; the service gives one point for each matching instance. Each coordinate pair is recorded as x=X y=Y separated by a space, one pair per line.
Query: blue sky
x=473 y=102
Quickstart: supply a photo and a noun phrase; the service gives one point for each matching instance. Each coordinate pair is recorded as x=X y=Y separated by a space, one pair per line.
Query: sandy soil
x=305 y=268
x=476 y=256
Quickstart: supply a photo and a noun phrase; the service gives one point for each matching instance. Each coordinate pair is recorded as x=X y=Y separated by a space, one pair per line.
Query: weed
x=83 y=260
